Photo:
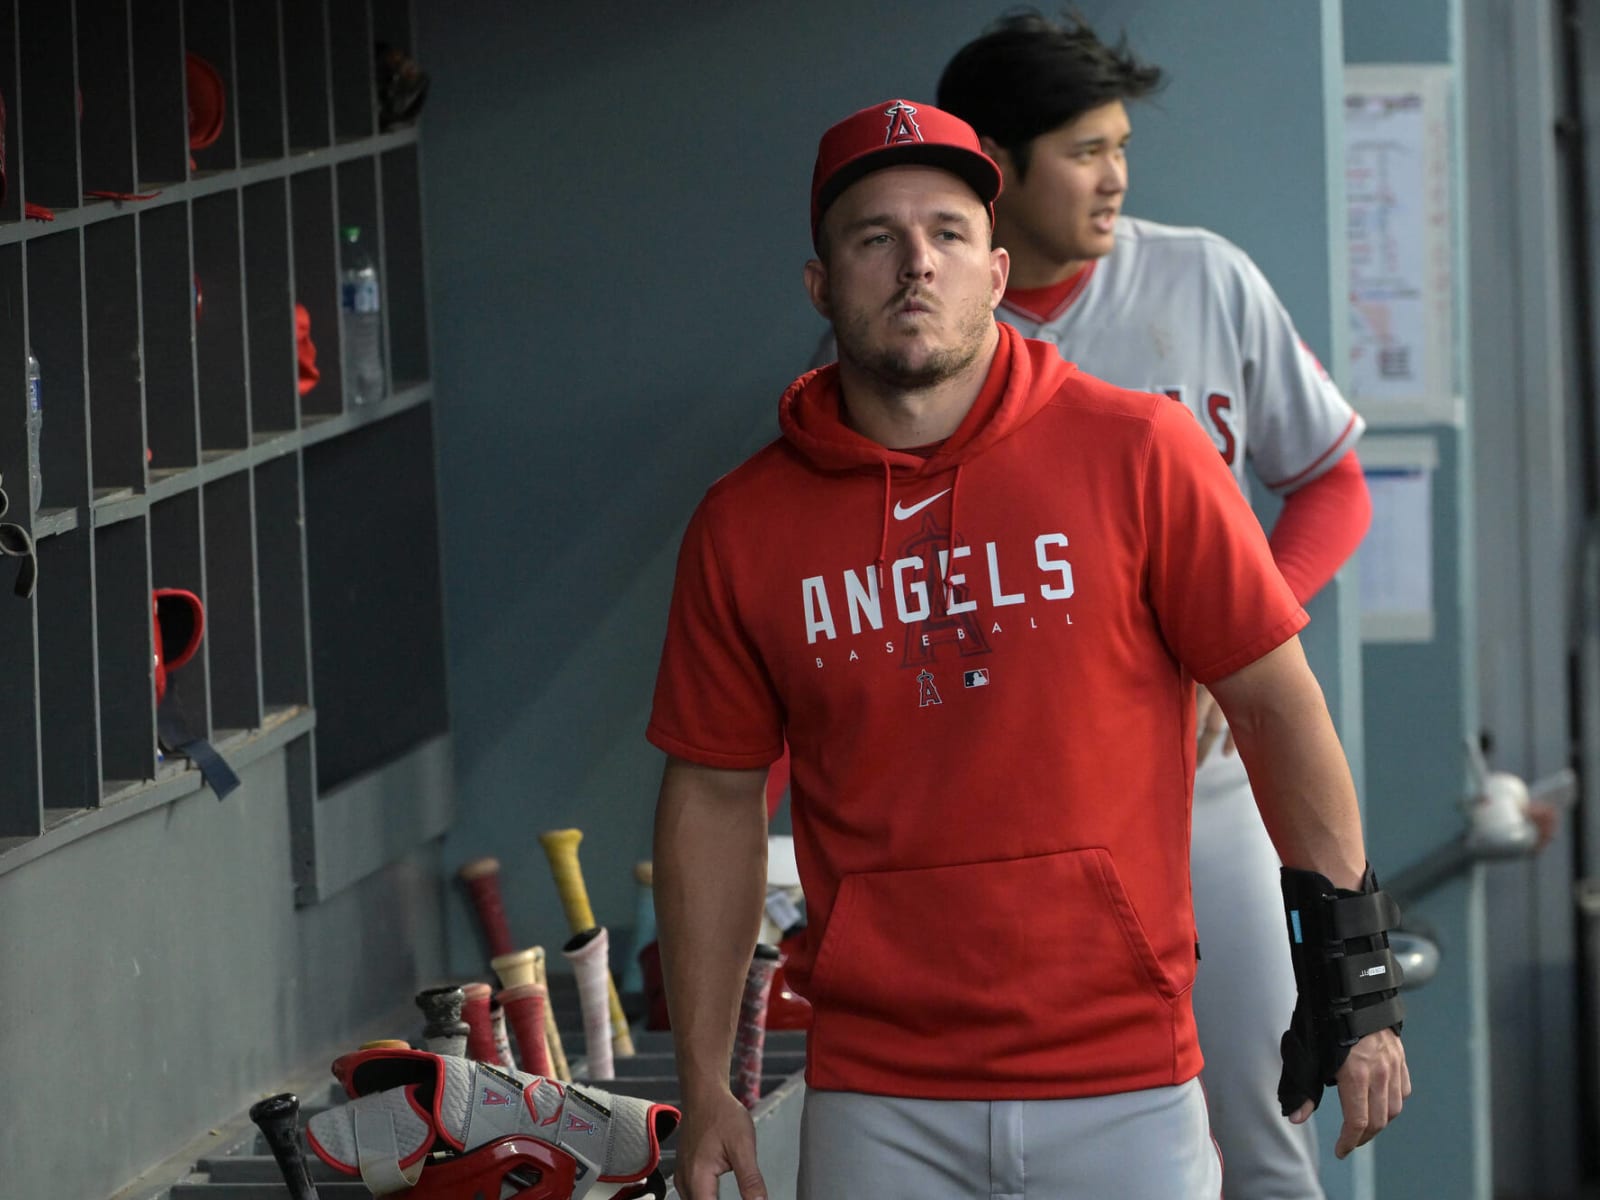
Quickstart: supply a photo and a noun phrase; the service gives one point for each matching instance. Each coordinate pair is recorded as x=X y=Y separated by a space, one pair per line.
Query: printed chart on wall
x=1397 y=184
x=1395 y=561
x=1401 y=370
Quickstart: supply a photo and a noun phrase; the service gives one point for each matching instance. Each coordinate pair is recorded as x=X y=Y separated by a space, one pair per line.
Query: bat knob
x=441 y=1005
x=579 y=940
x=278 y=1118
x=478 y=868
x=282 y=1110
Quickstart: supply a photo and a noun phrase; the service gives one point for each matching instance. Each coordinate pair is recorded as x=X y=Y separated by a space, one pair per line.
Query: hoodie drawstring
x=883 y=537
x=950 y=542
x=950 y=538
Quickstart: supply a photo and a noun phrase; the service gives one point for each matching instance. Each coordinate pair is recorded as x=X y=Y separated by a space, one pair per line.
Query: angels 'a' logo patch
x=903 y=126
x=576 y=1124
x=490 y=1096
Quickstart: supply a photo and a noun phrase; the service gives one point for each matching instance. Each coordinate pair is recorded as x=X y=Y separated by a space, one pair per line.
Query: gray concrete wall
x=155 y=978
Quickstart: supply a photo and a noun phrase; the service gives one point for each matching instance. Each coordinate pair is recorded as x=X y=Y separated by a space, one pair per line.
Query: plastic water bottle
x=359 y=310
x=35 y=426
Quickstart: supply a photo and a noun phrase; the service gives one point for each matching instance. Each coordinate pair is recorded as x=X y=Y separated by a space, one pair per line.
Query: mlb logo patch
x=978 y=678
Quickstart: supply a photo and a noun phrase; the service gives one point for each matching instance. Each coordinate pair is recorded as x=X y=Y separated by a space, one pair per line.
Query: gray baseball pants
x=1145 y=1145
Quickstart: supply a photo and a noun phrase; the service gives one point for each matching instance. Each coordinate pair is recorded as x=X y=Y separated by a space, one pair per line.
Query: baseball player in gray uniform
x=1179 y=311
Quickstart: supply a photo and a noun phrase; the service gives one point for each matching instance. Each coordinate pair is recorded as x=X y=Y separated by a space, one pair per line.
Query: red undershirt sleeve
x=1320 y=526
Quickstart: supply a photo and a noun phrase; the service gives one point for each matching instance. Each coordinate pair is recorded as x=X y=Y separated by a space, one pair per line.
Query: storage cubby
x=69 y=728
x=160 y=101
x=20 y=806
x=125 y=648
x=316 y=286
x=13 y=386
x=305 y=68
x=357 y=184
x=350 y=62
x=48 y=102
x=116 y=399
x=167 y=297
x=105 y=81
x=280 y=558
x=271 y=309
x=219 y=325
x=55 y=331
x=208 y=36
x=177 y=449
x=372 y=556
x=404 y=281
x=177 y=560
x=231 y=634
x=258 y=68
x=11 y=201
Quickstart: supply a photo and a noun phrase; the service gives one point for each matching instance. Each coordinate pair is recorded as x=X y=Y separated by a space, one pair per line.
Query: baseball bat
x=475 y=1012
x=527 y=967
x=443 y=1031
x=644 y=925
x=502 y=1036
x=587 y=954
x=520 y=966
x=552 y=1031
x=482 y=879
x=278 y=1118
x=750 y=1041
x=525 y=1005
x=561 y=847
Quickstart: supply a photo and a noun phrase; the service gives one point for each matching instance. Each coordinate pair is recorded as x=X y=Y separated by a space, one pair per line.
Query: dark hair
x=1027 y=75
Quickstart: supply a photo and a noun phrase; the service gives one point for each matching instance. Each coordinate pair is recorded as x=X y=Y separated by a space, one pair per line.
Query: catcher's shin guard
x=444 y=1127
x=1349 y=981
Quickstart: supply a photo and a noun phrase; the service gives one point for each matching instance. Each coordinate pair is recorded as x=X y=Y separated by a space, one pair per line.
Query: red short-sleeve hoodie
x=983 y=662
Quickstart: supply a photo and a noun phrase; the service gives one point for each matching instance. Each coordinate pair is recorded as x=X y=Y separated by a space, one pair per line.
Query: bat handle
x=561 y=847
x=482 y=879
x=278 y=1118
x=750 y=1040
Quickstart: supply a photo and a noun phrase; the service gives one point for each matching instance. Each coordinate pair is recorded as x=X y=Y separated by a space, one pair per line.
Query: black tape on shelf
x=176 y=739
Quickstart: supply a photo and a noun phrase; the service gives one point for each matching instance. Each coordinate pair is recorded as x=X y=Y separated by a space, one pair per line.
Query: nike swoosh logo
x=902 y=511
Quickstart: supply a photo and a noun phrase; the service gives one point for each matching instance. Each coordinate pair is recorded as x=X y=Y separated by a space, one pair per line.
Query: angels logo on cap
x=902 y=124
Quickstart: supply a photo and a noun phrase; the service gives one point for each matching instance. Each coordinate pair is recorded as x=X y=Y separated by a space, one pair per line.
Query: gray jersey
x=1186 y=313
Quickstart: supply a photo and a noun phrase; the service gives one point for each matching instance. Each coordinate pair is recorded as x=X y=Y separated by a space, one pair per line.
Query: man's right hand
x=717 y=1136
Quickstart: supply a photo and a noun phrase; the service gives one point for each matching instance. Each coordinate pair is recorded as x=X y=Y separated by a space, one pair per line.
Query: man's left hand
x=1373 y=1085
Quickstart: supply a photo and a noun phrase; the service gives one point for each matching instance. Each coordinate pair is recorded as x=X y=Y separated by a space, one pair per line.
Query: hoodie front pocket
x=1023 y=964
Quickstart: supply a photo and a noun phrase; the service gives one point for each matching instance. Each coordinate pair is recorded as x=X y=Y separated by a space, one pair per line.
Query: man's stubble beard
x=895 y=369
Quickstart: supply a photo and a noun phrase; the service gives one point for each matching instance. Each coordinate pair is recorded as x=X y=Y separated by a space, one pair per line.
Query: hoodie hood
x=1023 y=377
x=811 y=413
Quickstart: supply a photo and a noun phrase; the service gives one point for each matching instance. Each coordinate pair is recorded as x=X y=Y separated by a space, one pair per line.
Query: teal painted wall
x=1420 y=706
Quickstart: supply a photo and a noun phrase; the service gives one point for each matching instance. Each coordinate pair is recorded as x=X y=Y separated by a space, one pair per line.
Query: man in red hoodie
x=974 y=589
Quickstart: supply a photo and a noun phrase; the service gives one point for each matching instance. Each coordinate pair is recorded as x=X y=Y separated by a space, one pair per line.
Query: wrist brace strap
x=1348 y=980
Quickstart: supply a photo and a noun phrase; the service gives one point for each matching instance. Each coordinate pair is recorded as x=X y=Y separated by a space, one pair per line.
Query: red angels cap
x=208 y=101
x=894 y=133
